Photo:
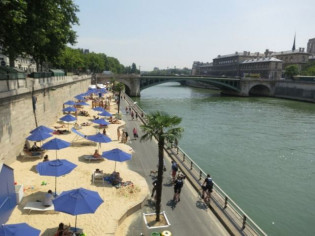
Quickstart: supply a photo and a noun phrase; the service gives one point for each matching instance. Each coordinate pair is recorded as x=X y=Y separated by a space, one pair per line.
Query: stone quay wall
x=17 y=118
x=295 y=90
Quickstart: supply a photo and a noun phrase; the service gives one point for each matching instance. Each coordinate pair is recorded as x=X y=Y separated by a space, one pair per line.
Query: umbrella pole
x=115 y=166
x=55 y=186
x=75 y=225
x=56 y=155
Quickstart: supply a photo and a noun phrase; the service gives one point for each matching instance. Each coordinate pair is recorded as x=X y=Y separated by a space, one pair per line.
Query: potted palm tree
x=164 y=128
x=118 y=87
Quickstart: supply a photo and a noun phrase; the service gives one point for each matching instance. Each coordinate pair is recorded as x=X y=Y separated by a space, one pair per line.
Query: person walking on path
x=178 y=188
x=132 y=115
x=174 y=170
x=127 y=111
x=135 y=133
x=118 y=134
x=207 y=186
x=154 y=187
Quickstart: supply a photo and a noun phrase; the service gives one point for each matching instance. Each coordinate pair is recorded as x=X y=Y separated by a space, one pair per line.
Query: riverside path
x=190 y=216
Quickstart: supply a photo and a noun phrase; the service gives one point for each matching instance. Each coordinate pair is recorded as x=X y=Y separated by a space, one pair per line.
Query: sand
x=116 y=201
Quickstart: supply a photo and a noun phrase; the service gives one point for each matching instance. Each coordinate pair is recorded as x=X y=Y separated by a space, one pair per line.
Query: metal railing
x=235 y=214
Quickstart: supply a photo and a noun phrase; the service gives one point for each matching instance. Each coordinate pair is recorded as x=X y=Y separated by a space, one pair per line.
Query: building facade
x=311 y=46
x=200 y=68
x=263 y=68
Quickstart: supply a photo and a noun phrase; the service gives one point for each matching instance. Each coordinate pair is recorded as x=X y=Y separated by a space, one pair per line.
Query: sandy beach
x=116 y=200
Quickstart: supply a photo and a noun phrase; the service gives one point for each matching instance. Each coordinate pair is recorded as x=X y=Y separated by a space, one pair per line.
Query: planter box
x=149 y=220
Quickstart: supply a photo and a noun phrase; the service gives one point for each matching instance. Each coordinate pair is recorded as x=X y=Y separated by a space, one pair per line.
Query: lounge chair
x=33 y=154
x=91 y=158
x=98 y=177
x=37 y=206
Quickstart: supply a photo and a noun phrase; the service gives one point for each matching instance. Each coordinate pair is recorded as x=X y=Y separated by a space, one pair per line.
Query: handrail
x=225 y=200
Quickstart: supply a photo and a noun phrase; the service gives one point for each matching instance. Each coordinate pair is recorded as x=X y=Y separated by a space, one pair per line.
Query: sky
x=175 y=33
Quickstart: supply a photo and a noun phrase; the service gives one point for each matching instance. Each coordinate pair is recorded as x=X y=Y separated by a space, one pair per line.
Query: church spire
x=293 y=47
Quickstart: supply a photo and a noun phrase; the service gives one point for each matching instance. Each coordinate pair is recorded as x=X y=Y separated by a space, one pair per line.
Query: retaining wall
x=17 y=118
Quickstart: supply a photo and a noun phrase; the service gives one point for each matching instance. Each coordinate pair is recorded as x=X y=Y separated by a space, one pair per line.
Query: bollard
x=244 y=222
x=225 y=202
x=200 y=175
x=183 y=157
x=191 y=165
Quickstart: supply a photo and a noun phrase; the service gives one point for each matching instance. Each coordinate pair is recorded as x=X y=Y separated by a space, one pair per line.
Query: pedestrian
x=174 y=170
x=104 y=131
x=126 y=136
x=127 y=111
x=135 y=133
x=132 y=115
x=207 y=186
x=118 y=134
x=154 y=187
x=136 y=115
x=178 y=188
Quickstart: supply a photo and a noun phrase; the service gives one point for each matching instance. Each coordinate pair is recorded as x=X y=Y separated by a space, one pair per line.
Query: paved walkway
x=190 y=216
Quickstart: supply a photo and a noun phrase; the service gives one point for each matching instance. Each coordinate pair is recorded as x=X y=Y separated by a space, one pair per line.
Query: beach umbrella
x=68 y=119
x=43 y=128
x=100 y=122
x=56 y=144
x=105 y=113
x=80 y=96
x=71 y=103
x=82 y=104
x=116 y=155
x=77 y=201
x=69 y=109
x=99 y=138
x=55 y=168
x=20 y=229
x=100 y=109
x=38 y=135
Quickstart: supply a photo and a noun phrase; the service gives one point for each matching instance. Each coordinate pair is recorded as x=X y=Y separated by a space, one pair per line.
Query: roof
x=245 y=53
x=289 y=52
x=262 y=59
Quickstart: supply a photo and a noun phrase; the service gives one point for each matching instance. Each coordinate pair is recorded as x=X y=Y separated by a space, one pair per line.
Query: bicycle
x=206 y=194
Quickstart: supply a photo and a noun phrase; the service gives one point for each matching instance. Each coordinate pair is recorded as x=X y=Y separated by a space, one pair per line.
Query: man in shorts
x=207 y=185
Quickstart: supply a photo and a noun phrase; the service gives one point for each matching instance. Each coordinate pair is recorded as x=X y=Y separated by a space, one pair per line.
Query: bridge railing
x=222 y=200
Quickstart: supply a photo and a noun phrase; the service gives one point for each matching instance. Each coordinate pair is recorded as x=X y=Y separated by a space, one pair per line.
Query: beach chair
x=98 y=177
x=91 y=158
x=37 y=206
x=33 y=154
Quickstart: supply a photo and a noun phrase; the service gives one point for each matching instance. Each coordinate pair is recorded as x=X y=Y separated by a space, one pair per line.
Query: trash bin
x=155 y=234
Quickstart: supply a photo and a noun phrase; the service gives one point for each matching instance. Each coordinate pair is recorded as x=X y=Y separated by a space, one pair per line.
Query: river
x=260 y=151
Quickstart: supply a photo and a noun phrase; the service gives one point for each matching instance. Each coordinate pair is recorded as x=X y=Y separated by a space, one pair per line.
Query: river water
x=260 y=151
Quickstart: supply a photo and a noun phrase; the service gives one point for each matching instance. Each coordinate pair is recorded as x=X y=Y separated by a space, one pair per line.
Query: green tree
x=12 y=20
x=48 y=28
x=309 y=69
x=291 y=71
x=118 y=87
x=164 y=128
x=71 y=60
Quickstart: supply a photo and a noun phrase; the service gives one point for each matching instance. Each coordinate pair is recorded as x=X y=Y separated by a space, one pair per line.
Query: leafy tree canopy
x=291 y=71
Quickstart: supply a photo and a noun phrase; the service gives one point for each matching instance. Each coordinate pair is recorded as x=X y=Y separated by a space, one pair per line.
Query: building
x=200 y=68
x=293 y=57
x=268 y=68
x=228 y=65
x=311 y=46
x=27 y=64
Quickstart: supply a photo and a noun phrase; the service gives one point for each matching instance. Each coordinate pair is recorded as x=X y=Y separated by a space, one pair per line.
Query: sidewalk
x=190 y=216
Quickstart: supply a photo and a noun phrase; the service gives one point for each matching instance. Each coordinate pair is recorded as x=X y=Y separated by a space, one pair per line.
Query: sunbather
x=35 y=147
x=45 y=158
x=58 y=127
x=48 y=199
x=60 y=131
x=63 y=230
x=96 y=154
x=86 y=124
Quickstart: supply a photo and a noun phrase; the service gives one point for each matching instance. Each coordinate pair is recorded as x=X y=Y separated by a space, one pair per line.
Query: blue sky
x=174 y=33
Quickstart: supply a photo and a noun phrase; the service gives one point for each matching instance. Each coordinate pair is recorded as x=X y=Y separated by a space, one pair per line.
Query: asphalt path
x=190 y=216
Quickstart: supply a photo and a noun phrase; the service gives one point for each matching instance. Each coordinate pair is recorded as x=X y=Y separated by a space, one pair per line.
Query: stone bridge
x=232 y=86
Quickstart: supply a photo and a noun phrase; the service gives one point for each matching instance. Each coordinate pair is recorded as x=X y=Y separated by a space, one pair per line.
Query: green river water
x=260 y=151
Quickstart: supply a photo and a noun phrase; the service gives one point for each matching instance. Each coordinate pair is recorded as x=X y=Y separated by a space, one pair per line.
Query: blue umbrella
x=56 y=144
x=77 y=201
x=116 y=155
x=68 y=118
x=69 y=109
x=100 y=109
x=105 y=113
x=43 y=128
x=71 y=103
x=21 y=229
x=101 y=122
x=38 y=135
x=55 y=168
x=99 y=138
x=80 y=96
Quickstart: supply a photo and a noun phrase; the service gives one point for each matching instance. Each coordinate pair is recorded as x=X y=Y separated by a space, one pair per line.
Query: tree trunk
x=11 y=59
x=159 y=178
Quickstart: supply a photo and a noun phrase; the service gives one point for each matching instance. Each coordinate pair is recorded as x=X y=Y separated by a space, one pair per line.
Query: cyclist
x=207 y=186
x=177 y=188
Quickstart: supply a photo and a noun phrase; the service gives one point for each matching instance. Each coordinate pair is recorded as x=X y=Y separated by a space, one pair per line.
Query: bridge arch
x=260 y=90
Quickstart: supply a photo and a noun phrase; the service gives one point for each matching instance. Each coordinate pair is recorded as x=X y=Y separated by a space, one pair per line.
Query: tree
x=163 y=127
x=118 y=87
x=49 y=28
x=291 y=71
x=12 y=20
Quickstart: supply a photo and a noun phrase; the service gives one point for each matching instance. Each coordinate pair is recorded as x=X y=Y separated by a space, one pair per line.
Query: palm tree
x=118 y=87
x=163 y=127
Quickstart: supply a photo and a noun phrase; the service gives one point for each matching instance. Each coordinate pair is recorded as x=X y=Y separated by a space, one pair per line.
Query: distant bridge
x=232 y=86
